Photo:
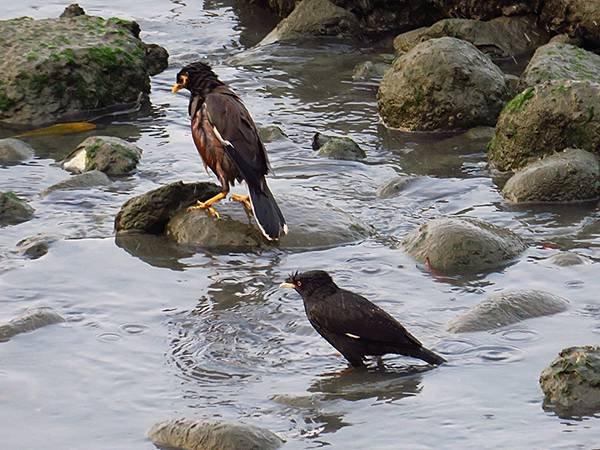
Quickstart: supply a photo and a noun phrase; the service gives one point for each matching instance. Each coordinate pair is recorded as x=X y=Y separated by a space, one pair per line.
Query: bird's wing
x=232 y=121
x=354 y=316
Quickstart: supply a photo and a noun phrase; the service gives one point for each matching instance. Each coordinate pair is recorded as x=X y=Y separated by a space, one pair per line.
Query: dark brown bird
x=351 y=323
x=228 y=142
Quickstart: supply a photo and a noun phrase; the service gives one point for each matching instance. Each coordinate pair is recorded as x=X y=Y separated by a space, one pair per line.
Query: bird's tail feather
x=428 y=356
x=266 y=211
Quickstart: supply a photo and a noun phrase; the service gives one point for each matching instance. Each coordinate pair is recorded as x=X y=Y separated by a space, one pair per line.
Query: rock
x=14 y=151
x=441 y=84
x=394 y=186
x=55 y=70
x=13 y=210
x=484 y=10
x=478 y=133
x=513 y=84
x=270 y=133
x=462 y=244
x=571 y=175
x=188 y=434
x=566 y=259
x=151 y=211
x=571 y=382
x=313 y=18
x=507 y=307
x=577 y=18
x=157 y=59
x=561 y=62
x=337 y=147
x=499 y=38
x=85 y=180
x=544 y=119
x=235 y=231
x=35 y=247
x=108 y=154
x=30 y=320
x=72 y=10
x=368 y=70
x=566 y=39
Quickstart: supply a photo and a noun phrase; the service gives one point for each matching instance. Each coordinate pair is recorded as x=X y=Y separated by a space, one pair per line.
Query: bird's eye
x=298 y=283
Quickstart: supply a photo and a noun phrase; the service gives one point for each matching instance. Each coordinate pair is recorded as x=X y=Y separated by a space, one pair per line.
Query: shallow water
x=156 y=331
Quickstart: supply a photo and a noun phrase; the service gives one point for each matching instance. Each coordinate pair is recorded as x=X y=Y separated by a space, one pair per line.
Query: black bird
x=228 y=142
x=351 y=323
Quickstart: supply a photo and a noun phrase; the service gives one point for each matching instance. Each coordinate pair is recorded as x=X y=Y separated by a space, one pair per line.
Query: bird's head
x=195 y=77
x=306 y=283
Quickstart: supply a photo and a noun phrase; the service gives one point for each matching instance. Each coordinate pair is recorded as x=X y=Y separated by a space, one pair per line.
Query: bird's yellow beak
x=287 y=285
x=177 y=86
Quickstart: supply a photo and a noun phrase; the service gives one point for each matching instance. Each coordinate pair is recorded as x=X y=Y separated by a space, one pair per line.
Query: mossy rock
x=337 y=147
x=441 y=84
x=108 y=154
x=506 y=308
x=569 y=176
x=271 y=133
x=545 y=119
x=571 y=383
x=13 y=210
x=577 y=18
x=462 y=244
x=14 y=151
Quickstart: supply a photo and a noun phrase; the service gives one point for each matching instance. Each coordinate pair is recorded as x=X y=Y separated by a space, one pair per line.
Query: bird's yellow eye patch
x=181 y=84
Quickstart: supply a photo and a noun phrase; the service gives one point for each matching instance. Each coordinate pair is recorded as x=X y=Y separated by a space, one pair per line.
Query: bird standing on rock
x=228 y=142
x=351 y=323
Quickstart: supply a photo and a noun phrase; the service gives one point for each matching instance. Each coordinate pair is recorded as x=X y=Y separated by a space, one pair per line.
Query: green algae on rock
x=108 y=154
x=58 y=69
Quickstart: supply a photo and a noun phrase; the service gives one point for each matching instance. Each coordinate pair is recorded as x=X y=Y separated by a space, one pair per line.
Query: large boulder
x=187 y=434
x=30 y=320
x=462 y=244
x=571 y=384
x=13 y=210
x=314 y=18
x=545 y=119
x=108 y=154
x=441 y=84
x=578 y=18
x=14 y=151
x=56 y=69
x=499 y=38
x=507 y=307
x=571 y=175
x=558 y=61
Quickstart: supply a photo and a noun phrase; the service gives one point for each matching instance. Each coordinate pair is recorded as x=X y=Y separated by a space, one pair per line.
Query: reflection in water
x=158 y=251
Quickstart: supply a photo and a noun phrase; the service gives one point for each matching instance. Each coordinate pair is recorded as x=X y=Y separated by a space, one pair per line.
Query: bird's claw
x=244 y=199
x=209 y=209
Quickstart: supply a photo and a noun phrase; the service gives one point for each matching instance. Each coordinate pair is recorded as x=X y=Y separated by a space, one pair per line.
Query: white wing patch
x=220 y=138
x=353 y=336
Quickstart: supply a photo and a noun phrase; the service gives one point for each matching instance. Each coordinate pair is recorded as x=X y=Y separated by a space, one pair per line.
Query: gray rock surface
x=189 y=434
x=571 y=383
x=441 y=84
x=545 y=119
x=507 y=307
x=369 y=70
x=150 y=212
x=313 y=18
x=14 y=151
x=108 y=154
x=561 y=62
x=567 y=176
x=462 y=244
x=394 y=186
x=337 y=147
x=30 y=320
x=577 y=18
x=85 y=180
x=54 y=70
x=13 y=210
x=35 y=247
x=271 y=133
x=499 y=38
x=567 y=259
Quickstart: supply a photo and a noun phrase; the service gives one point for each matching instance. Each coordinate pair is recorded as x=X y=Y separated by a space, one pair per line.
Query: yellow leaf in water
x=60 y=128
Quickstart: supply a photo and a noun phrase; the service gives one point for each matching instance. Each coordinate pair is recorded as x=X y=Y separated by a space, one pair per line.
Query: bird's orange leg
x=244 y=199
x=208 y=204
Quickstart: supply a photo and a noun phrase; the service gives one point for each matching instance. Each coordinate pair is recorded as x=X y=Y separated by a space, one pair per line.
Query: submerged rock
x=566 y=259
x=30 y=320
x=54 y=70
x=394 y=186
x=507 y=307
x=85 y=180
x=314 y=18
x=14 y=151
x=577 y=18
x=188 y=434
x=270 y=133
x=35 y=247
x=441 y=84
x=571 y=384
x=499 y=38
x=561 y=62
x=545 y=119
x=571 y=175
x=108 y=154
x=150 y=212
x=462 y=244
x=337 y=147
x=368 y=70
x=13 y=210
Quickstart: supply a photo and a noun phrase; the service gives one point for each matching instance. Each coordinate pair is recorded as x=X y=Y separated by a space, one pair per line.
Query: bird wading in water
x=351 y=323
x=228 y=142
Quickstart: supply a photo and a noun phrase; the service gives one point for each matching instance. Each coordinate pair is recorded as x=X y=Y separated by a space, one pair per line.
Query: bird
x=352 y=324
x=228 y=142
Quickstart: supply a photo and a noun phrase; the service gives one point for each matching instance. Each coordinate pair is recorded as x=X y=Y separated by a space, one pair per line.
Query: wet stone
x=13 y=210
x=566 y=259
x=86 y=180
x=337 y=147
x=35 y=247
x=394 y=186
x=271 y=133
x=108 y=154
x=369 y=70
x=30 y=320
x=14 y=151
